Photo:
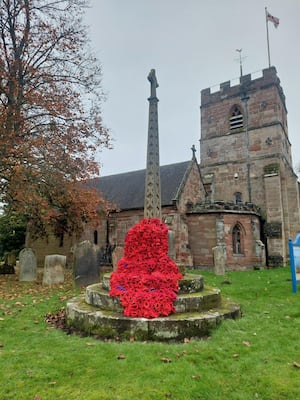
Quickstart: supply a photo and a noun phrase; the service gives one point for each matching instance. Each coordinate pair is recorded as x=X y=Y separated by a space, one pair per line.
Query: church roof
x=127 y=190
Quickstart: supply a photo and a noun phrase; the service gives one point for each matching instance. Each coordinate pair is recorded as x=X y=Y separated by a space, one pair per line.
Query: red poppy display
x=146 y=278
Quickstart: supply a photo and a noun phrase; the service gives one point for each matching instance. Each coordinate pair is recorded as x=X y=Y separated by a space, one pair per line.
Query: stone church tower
x=246 y=156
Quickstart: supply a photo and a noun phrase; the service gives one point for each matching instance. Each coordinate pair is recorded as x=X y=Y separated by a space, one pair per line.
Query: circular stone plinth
x=204 y=300
x=112 y=324
x=199 y=310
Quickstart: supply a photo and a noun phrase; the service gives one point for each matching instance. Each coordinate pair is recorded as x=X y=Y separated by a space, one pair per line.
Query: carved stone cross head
x=154 y=84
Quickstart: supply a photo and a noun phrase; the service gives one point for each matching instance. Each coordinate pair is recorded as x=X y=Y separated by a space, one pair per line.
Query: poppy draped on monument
x=146 y=278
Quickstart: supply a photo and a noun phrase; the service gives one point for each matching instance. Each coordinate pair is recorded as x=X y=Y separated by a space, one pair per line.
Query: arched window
x=237 y=197
x=236 y=118
x=237 y=240
x=95 y=237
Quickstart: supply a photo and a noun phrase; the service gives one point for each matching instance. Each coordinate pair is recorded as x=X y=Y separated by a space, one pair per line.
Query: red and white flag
x=275 y=20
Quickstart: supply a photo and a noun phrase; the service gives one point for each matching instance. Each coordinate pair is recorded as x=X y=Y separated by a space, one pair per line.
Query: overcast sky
x=192 y=46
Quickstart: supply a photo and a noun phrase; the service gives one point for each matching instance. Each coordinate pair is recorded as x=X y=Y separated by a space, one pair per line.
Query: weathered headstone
x=10 y=259
x=261 y=253
x=54 y=269
x=28 y=265
x=86 y=264
x=219 y=253
x=171 y=243
x=8 y=267
x=117 y=254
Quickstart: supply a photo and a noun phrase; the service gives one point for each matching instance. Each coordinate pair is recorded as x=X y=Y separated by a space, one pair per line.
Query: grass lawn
x=255 y=357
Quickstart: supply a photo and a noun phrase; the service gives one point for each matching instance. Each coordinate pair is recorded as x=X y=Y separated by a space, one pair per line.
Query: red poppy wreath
x=146 y=278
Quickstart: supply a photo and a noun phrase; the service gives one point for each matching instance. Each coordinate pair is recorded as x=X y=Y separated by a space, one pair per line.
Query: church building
x=241 y=201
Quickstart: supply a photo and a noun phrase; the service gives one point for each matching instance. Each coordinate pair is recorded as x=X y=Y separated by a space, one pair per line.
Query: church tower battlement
x=269 y=78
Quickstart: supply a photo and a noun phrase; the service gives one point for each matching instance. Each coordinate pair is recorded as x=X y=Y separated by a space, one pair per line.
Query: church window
x=236 y=240
x=237 y=197
x=236 y=118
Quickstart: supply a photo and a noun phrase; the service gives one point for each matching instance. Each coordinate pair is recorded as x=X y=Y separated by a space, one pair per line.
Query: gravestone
x=219 y=253
x=171 y=243
x=28 y=265
x=8 y=267
x=86 y=264
x=10 y=259
x=261 y=253
x=117 y=254
x=54 y=269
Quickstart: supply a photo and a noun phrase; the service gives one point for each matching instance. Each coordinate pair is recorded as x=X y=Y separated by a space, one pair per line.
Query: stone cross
x=153 y=81
x=152 y=204
x=193 y=148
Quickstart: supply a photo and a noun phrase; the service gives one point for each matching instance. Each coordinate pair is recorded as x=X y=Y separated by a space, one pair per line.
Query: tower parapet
x=247 y=83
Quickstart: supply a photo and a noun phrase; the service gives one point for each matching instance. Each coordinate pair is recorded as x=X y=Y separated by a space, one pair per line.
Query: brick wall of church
x=204 y=237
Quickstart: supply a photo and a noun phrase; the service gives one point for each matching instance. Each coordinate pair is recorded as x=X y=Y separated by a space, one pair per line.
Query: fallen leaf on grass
x=1 y=345
x=121 y=357
x=1 y=319
x=183 y=353
x=166 y=360
x=90 y=344
x=295 y=364
x=236 y=355
x=52 y=383
x=245 y=343
x=196 y=376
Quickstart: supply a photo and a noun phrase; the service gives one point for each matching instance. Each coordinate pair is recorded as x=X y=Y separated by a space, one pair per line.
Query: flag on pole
x=273 y=19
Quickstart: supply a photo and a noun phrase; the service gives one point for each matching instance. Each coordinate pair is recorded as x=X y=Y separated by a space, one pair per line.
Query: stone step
x=191 y=283
x=112 y=324
x=206 y=299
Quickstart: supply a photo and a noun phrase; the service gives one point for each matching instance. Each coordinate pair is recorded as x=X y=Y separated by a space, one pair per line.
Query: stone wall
x=54 y=245
x=208 y=229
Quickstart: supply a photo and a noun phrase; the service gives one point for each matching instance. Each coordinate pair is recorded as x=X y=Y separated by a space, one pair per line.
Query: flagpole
x=268 y=43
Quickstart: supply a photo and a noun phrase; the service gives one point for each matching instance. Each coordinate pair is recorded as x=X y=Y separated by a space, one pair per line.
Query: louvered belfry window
x=236 y=118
